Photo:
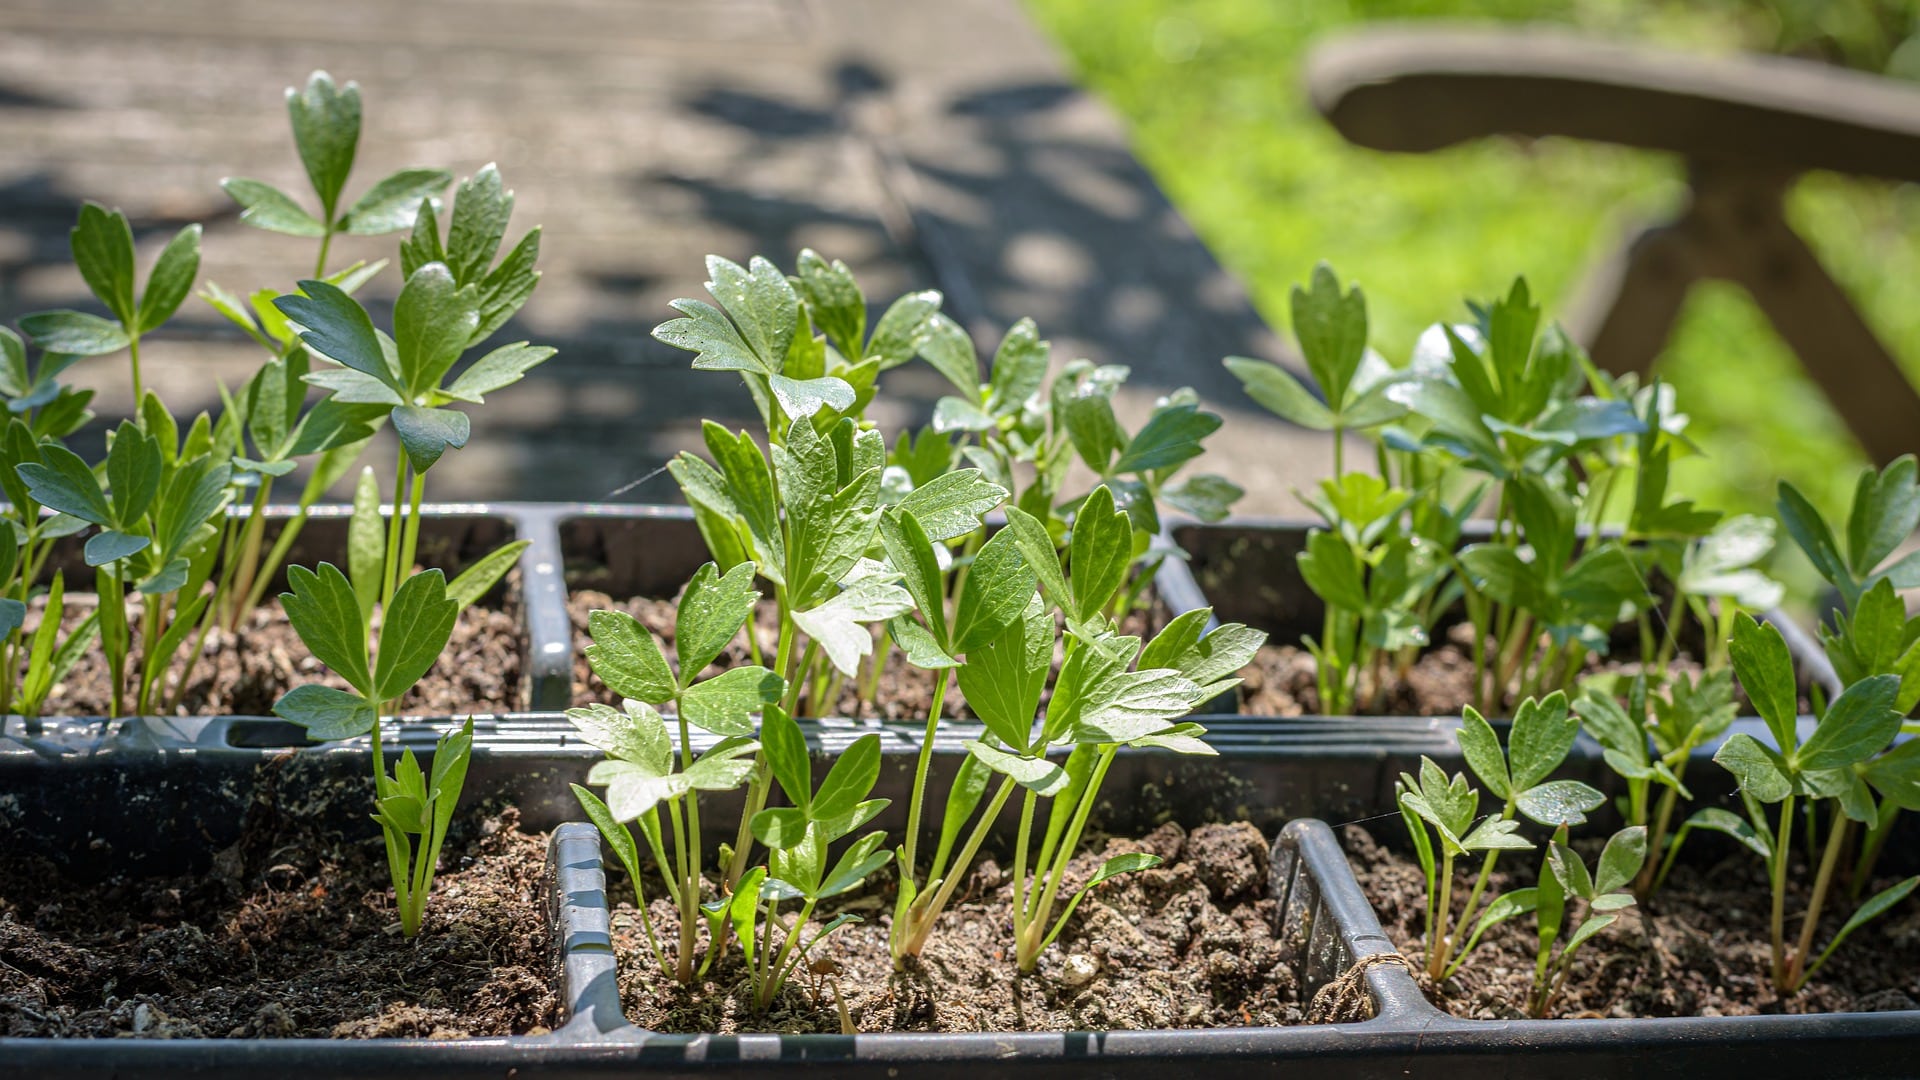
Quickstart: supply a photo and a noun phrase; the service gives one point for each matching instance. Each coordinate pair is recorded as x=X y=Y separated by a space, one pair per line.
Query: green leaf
x=1496 y=834
x=780 y=829
x=998 y=587
x=1759 y=770
x=326 y=615
x=264 y=206
x=1331 y=327
x=1499 y=572
x=335 y=326
x=1559 y=802
x=632 y=790
x=1019 y=368
x=497 y=370
x=480 y=576
x=1036 y=774
x=425 y=434
x=1481 y=747
x=326 y=129
x=1896 y=774
x=1543 y=732
x=834 y=301
x=1125 y=705
x=105 y=547
x=1810 y=532
x=959 y=414
x=951 y=505
x=805 y=397
x=726 y=703
x=849 y=781
x=1765 y=668
x=948 y=348
x=1625 y=854
x=901 y=331
x=1100 y=552
x=508 y=286
x=325 y=712
x=706 y=331
x=1588 y=929
x=1570 y=871
x=910 y=553
x=786 y=753
x=1036 y=548
x=627 y=659
x=102 y=244
x=1088 y=416
x=1276 y=388
x=860 y=860
x=393 y=203
x=1005 y=676
x=366 y=543
x=74 y=333
x=637 y=735
x=1886 y=510
x=1206 y=659
x=725 y=767
x=1206 y=496
x=482 y=205
x=172 y=278
x=413 y=632
x=616 y=834
x=1333 y=572
x=914 y=640
x=712 y=610
x=1171 y=436
x=761 y=302
x=1876 y=905
x=1859 y=724
x=839 y=625
x=433 y=319
x=62 y=481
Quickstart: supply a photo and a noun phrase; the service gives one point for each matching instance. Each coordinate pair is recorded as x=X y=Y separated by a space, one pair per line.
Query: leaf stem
x=1778 y=924
x=924 y=921
x=1030 y=951
x=920 y=768
x=1822 y=882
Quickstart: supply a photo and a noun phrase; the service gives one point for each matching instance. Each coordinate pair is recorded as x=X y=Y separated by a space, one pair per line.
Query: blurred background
x=1144 y=177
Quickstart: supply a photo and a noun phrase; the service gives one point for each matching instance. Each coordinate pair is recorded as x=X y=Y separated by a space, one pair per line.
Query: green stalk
x=920 y=769
x=1440 y=944
x=390 y=577
x=775 y=978
x=689 y=898
x=690 y=893
x=924 y=922
x=1030 y=951
x=1778 y=925
x=282 y=544
x=251 y=535
x=1473 y=898
x=326 y=242
x=1021 y=894
x=410 y=547
x=1823 y=881
x=133 y=358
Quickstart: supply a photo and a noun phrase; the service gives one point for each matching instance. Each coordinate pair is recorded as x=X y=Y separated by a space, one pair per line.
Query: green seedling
x=1109 y=693
x=1648 y=743
x=48 y=656
x=1840 y=767
x=1565 y=885
x=639 y=772
x=1541 y=735
x=799 y=839
x=1451 y=809
x=413 y=803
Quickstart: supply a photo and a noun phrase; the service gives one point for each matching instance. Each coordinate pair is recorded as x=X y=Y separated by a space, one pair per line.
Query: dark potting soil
x=244 y=672
x=1281 y=681
x=1186 y=944
x=1699 y=947
x=905 y=692
x=293 y=933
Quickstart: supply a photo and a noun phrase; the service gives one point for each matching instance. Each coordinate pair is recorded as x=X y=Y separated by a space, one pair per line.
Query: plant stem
x=326 y=242
x=1778 y=925
x=775 y=976
x=390 y=576
x=690 y=894
x=252 y=532
x=924 y=922
x=410 y=546
x=1439 y=947
x=1837 y=832
x=1021 y=894
x=133 y=361
x=1030 y=951
x=920 y=768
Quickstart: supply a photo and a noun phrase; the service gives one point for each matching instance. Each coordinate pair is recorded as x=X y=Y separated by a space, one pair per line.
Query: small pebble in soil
x=1079 y=970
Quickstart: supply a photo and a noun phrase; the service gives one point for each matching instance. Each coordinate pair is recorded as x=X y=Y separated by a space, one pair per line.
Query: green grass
x=1211 y=90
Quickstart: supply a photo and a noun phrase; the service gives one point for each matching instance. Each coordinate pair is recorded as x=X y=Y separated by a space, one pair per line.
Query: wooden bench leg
x=1736 y=229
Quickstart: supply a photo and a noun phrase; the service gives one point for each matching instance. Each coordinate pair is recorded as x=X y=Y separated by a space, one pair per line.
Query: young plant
x=102 y=244
x=798 y=839
x=1564 y=881
x=48 y=657
x=412 y=803
x=1648 y=743
x=1109 y=693
x=639 y=771
x=1541 y=735
x=1451 y=809
x=1885 y=512
x=1840 y=768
